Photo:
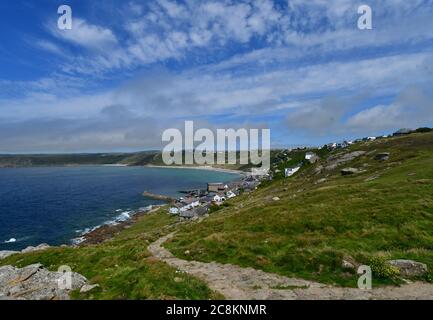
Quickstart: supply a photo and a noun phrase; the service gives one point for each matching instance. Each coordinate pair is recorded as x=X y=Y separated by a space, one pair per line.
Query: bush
x=429 y=276
x=382 y=269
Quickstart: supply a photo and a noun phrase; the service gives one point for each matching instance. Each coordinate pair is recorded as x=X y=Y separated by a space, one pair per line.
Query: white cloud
x=88 y=35
x=49 y=46
x=412 y=108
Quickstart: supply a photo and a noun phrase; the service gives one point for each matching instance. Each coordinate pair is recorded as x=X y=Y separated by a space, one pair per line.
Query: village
x=197 y=203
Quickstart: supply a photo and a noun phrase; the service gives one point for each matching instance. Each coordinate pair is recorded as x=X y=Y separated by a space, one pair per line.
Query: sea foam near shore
x=125 y=215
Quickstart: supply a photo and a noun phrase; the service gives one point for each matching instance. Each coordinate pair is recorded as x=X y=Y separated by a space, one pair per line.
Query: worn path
x=235 y=282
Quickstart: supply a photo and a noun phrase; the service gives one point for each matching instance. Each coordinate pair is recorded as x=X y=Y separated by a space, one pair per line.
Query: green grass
x=308 y=232
x=123 y=266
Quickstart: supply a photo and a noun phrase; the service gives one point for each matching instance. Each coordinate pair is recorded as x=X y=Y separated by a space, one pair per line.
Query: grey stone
x=34 y=282
x=336 y=160
x=88 y=287
x=42 y=246
x=409 y=268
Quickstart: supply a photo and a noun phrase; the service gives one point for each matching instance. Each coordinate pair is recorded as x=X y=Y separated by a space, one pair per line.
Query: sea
x=58 y=205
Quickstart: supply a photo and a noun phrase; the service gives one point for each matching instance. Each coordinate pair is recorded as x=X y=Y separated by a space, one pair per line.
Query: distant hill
x=139 y=158
x=142 y=158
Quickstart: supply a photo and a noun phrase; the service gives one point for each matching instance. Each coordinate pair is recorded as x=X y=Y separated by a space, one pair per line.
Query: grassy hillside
x=385 y=211
x=322 y=217
x=123 y=266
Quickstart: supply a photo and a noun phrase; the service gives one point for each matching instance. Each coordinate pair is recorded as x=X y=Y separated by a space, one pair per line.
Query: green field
x=123 y=266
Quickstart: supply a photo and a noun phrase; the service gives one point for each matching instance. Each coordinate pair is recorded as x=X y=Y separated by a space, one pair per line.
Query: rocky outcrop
x=42 y=246
x=34 y=282
x=409 y=268
x=6 y=253
x=335 y=161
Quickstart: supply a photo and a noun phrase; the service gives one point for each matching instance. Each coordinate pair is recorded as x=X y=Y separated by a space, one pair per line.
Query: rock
x=276 y=198
x=347 y=265
x=321 y=181
x=349 y=171
x=409 y=268
x=187 y=252
x=34 y=282
x=383 y=156
x=42 y=246
x=7 y=253
x=177 y=279
x=335 y=161
x=88 y=287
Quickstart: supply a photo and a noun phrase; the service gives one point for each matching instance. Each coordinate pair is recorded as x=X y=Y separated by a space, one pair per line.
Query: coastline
x=108 y=231
x=208 y=168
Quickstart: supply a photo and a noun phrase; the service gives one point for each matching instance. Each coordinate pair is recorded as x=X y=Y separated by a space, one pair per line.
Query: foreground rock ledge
x=34 y=282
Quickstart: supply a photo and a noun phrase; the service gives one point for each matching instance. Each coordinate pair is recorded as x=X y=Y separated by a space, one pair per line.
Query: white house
x=190 y=206
x=288 y=172
x=309 y=155
x=230 y=194
x=218 y=198
x=174 y=210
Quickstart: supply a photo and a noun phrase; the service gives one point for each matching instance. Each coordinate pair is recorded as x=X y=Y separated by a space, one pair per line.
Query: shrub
x=429 y=276
x=382 y=269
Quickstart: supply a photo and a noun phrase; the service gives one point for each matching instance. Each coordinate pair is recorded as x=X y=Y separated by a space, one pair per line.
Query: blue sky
x=130 y=69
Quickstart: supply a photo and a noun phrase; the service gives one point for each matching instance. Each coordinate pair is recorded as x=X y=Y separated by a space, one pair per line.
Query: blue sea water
x=56 y=204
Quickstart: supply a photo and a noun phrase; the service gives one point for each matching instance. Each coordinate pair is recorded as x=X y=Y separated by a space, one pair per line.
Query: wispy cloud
x=301 y=65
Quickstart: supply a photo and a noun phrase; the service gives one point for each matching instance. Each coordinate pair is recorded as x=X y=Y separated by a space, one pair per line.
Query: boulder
x=382 y=156
x=34 y=282
x=42 y=246
x=276 y=198
x=409 y=268
x=349 y=171
x=88 y=287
